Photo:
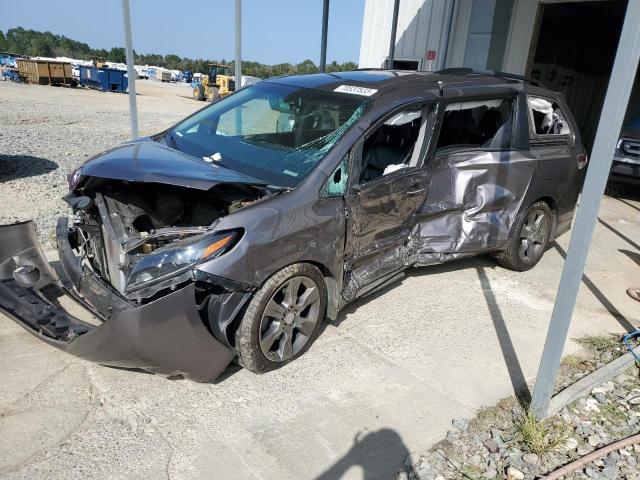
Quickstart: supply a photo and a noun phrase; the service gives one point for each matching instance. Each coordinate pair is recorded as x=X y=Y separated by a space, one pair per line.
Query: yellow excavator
x=216 y=84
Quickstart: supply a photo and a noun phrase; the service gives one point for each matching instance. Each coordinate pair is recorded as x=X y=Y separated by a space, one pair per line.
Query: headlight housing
x=176 y=258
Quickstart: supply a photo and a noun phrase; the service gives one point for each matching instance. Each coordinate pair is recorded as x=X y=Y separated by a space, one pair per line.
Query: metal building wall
x=422 y=25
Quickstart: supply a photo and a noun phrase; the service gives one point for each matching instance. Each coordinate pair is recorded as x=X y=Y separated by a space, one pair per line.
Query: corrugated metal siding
x=422 y=26
x=376 y=30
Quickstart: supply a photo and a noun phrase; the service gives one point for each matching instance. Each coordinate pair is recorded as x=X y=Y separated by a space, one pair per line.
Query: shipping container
x=45 y=72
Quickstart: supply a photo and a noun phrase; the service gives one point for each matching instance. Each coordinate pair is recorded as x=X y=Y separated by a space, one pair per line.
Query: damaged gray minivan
x=235 y=232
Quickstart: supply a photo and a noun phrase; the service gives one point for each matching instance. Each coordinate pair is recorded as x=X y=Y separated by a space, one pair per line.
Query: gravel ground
x=46 y=132
x=494 y=444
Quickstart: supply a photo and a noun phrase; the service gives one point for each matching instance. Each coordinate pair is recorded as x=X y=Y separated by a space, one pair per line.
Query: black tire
x=198 y=92
x=527 y=243
x=259 y=344
x=215 y=94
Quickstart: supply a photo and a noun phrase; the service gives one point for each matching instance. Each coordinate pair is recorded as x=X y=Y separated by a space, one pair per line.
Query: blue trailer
x=105 y=79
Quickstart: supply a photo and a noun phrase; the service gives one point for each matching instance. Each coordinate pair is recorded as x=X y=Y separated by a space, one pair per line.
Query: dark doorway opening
x=574 y=52
x=406 y=64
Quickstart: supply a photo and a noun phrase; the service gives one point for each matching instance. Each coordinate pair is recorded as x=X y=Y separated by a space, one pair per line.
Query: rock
x=496 y=434
x=634 y=399
x=591 y=405
x=594 y=440
x=619 y=392
x=476 y=459
x=408 y=461
x=583 y=450
x=610 y=473
x=606 y=357
x=590 y=472
x=491 y=445
x=514 y=474
x=461 y=424
x=570 y=444
x=490 y=474
x=601 y=398
x=452 y=436
x=531 y=458
x=632 y=461
x=610 y=461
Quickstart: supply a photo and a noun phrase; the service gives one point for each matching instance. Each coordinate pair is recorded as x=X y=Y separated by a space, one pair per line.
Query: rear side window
x=476 y=124
x=547 y=117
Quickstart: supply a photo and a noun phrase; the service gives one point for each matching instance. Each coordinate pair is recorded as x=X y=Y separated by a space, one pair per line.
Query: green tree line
x=46 y=44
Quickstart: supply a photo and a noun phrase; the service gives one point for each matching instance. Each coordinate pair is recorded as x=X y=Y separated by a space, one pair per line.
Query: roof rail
x=491 y=73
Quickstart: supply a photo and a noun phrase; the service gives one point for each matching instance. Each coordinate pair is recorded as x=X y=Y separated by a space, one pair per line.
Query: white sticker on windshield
x=290 y=173
x=353 y=90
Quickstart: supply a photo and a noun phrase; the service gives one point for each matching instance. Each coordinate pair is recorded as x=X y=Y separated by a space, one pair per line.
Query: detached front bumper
x=165 y=336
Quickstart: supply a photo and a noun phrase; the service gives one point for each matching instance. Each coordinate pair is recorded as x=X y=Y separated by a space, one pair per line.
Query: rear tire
x=528 y=238
x=282 y=319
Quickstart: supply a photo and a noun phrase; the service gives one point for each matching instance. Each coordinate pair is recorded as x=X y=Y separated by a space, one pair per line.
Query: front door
x=388 y=187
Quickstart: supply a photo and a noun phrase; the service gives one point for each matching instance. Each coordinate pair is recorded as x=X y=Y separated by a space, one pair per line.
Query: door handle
x=416 y=192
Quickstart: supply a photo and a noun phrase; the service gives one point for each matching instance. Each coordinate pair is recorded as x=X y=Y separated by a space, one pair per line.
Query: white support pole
x=131 y=72
x=613 y=112
x=238 y=69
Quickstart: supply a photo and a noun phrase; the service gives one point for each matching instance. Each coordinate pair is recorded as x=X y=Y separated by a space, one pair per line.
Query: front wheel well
x=333 y=299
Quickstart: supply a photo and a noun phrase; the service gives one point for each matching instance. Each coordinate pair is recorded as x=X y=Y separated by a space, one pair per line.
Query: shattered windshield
x=272 y=132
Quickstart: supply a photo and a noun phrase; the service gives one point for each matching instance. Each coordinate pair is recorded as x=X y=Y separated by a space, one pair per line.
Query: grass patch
x=540 y=436
x=600 y=343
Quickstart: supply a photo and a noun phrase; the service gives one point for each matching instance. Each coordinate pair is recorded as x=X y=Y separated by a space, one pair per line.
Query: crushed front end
x=128 y=261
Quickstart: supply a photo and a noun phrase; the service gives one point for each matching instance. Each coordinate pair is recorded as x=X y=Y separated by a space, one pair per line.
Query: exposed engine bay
x=123 y=226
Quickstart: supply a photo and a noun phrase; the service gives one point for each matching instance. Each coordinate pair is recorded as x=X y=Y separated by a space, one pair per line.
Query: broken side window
x=336 y=185
x=393 y=145
x=547 y=117
x=476 y=124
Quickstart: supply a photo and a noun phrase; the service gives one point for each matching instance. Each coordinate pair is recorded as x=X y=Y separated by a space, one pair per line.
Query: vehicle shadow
x=13 y=167
x=381 y=455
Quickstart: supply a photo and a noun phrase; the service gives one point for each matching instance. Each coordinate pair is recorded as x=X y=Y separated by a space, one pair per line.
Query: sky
x=273 y=31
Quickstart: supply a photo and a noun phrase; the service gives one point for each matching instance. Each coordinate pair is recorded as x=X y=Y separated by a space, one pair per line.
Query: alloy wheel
x=533 y=236
x=289 y=318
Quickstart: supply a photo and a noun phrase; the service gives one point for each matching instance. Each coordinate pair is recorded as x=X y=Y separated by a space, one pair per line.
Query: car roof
x=383 y=81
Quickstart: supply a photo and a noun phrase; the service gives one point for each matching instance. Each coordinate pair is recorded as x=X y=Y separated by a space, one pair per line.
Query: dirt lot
x=383 y=381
